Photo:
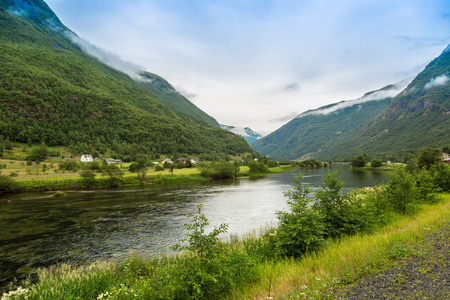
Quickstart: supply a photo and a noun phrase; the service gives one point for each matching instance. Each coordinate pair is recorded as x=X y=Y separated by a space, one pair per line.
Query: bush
x=428 y=157
x=88 y=178
x=113 y=174
x=70 y=165
x=159 y=167
x=441 y=176
x=401 y=192
x=208 y=270
x=359 y=161
x=376 y=163
x=218 y=170
x=257 y=167
x=300 y=230
x=7 y=184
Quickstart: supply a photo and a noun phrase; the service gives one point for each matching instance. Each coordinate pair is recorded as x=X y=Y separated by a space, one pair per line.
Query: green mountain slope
x=418 y=117
x=316 y=132
x=51 y=91
x=167 y=94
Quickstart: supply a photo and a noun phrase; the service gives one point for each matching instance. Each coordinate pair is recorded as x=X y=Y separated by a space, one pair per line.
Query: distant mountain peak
x=247 y=133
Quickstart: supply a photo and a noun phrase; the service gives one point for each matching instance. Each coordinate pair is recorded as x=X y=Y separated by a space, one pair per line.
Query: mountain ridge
x=313 y=133
x=50 y=90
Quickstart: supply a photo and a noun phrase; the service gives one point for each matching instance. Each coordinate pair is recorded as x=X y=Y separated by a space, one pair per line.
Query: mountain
x=166 y=93
x=55 y=87
x=416 y=118
x=248 y=134
x=315 y=133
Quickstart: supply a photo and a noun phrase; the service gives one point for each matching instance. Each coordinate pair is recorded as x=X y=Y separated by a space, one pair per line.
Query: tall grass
x=347 y=259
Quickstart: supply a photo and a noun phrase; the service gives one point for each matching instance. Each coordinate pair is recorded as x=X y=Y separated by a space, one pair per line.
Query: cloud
x=107 y=58
x=284 y=118
x=441 y=80
x=382 y=94
x=292 y=87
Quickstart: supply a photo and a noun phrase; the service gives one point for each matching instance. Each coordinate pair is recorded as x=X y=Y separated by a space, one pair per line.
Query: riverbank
x=53 y=179
x=243 y=269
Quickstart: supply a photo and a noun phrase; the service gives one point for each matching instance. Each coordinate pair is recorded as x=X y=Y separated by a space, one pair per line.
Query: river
x=39 y=230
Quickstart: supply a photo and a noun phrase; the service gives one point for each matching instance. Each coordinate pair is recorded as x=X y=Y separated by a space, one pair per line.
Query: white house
x=87 y=158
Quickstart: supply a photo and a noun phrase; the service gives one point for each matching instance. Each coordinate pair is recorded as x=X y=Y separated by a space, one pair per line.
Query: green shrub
x=159 y=167
x=70 y=165
x=7 y=184
x=300 y=230
x=217 y=170
x=441 y=176
x=401 y=192
x=376 y=163
x=88 y=178
x=359 y=161
x=257 y=167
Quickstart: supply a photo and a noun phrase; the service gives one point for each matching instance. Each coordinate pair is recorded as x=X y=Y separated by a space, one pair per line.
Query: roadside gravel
x=424 y=276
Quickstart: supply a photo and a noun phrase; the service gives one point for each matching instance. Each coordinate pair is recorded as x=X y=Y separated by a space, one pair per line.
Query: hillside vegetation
x=53 y=92
x=315 y=134
x=418 y=117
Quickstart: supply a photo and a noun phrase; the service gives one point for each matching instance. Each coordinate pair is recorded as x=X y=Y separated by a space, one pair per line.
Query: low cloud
x=284 y=118
x=373 y=96
x=24 y=9
x=107 y=58
x=441 y=80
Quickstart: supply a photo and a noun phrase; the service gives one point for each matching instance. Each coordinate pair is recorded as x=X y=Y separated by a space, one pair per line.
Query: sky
x=260 y=63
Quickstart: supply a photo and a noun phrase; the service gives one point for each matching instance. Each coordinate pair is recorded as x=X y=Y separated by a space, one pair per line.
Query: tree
x=376 y=163
x=300 y=230
x=359 y=161
x=199 y=242
x=114 y=175
x=428 y=157
x=331 y=204
x=401 y=191
x=88 y=178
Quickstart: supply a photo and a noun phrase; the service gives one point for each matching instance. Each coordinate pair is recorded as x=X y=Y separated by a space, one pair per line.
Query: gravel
x=426 y=275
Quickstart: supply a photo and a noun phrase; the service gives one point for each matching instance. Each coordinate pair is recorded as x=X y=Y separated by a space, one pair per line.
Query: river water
x=39 y=230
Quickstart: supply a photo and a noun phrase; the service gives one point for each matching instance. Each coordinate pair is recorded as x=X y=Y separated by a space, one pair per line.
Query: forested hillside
x=52 y=92
x=315 y=133
x=418 y=117
x=390 y=129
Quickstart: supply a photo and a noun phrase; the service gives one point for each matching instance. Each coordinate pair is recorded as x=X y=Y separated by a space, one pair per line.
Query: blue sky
x=260 y=63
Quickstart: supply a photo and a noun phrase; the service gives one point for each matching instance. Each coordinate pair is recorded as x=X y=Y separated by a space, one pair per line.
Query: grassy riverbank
x=47 y=176
x=252 y=267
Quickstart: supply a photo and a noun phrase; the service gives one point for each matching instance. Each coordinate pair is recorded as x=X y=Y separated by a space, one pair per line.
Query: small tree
x=88 y=178
x=331 y=204
x=376 y=163
x=359 y=161
x=401 y=191
x=300 y=230
x=428 y=157
x=202 y=244
x=114 y=175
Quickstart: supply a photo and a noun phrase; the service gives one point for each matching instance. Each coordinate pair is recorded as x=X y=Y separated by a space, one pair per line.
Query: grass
x=34 y=178
x=320 y=275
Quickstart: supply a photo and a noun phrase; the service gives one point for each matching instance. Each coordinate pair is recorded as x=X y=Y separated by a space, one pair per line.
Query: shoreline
x=128 y=180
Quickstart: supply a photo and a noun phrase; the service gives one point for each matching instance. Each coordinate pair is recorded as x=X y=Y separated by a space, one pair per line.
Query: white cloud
x=241 y=57
x=374 y=96
x=441 y=80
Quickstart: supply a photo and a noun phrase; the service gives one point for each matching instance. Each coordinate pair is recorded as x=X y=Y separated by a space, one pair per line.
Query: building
x=87 y=158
